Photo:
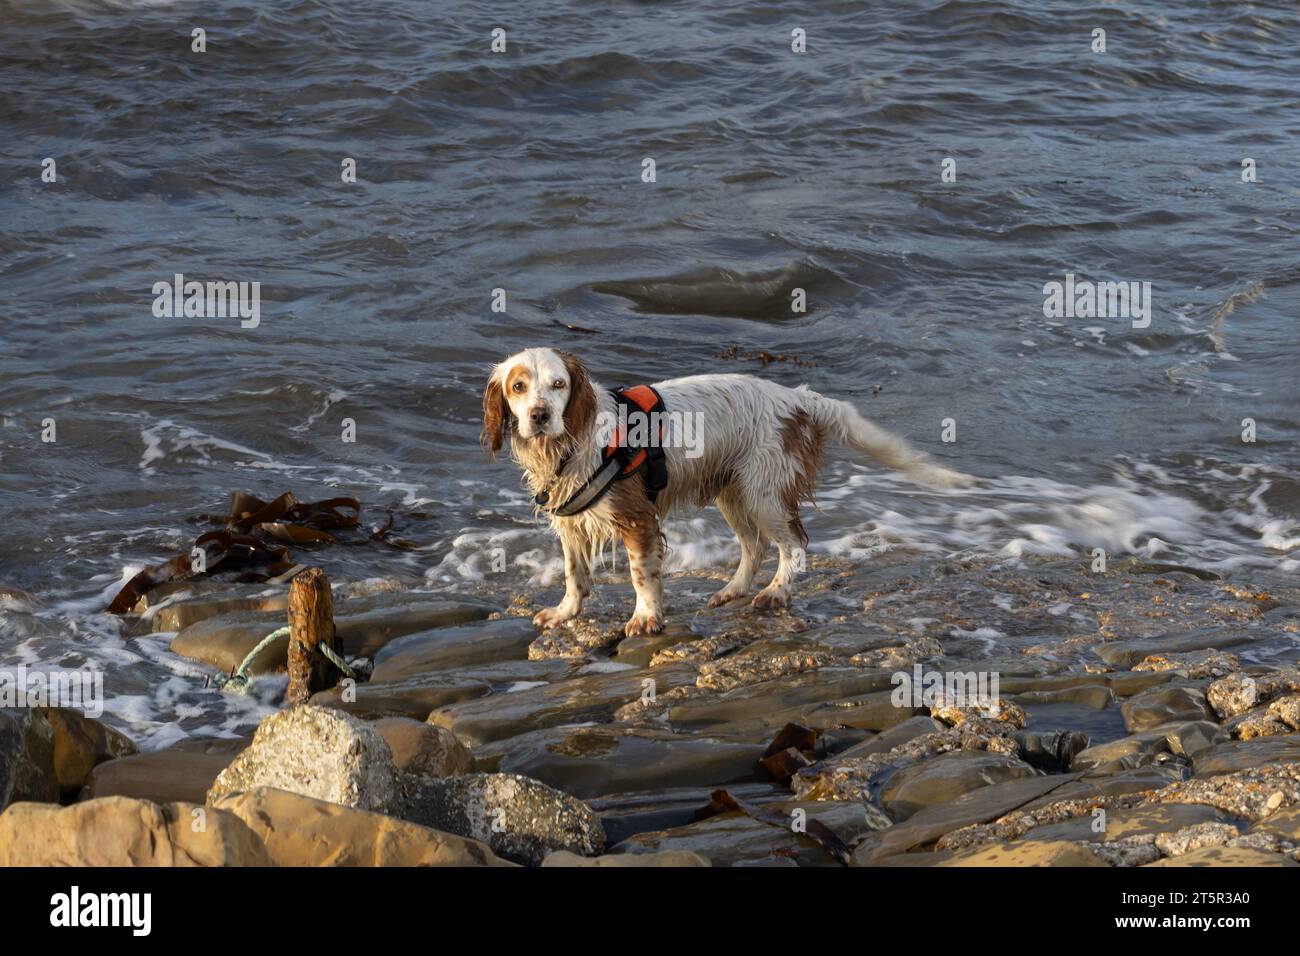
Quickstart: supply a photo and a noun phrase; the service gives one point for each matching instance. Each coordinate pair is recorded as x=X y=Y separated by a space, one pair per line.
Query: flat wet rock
x=1129 y=653
x=593 y=696
x=1229 y=756
x=183 y=773
x=593 y=761
x=978 y=806
x=364 y=624
x=1121 y=824
x=1168 y=740
x=1237 y=799
x=945 y=777
x=676 y=644
x=224 y=640
x=794 y=699
x=734 y=839
x=1163 y=705
x=445 y=648
x=182 y=610
x=895 y=736
x=1227 y=856
x=1090 y=785
x=1026 y=853
x=1097 y=696
x=1283 y=824
x=414 y=697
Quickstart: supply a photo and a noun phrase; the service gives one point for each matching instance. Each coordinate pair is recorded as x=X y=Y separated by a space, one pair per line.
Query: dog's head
x=542 y=394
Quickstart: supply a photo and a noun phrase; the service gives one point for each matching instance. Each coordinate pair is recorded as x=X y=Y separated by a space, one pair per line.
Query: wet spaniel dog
x=750 y=446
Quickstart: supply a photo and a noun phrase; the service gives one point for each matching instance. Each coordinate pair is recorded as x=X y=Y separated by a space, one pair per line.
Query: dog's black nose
x=538 y=416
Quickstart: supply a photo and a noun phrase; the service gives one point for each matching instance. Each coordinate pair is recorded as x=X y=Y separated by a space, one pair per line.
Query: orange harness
x=621 y=459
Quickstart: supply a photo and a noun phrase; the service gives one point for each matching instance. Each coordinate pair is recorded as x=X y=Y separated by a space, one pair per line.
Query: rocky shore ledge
x=1144 y=716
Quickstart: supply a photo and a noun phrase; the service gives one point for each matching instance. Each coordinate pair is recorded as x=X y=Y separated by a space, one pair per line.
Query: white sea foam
x=519 y=685
x=1143 y=513
x=166 y=440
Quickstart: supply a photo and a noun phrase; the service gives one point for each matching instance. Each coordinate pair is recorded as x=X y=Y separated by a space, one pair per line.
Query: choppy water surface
x=522 y=171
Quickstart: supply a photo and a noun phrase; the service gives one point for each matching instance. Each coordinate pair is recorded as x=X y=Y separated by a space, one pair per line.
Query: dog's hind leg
x=791 y=540
x=753 y=546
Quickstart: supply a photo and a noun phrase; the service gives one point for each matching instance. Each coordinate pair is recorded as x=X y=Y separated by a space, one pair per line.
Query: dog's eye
x=559 y=383
x=517 y=387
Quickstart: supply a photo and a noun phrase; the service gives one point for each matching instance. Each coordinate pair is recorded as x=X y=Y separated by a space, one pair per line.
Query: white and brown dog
x=760 y=447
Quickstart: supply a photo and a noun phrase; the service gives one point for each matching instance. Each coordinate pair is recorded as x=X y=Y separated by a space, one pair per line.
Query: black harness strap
x=621 y=459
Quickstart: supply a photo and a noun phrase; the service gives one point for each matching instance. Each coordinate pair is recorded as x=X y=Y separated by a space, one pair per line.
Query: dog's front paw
x=643 y=622
x=552 y=616
x=771 y=599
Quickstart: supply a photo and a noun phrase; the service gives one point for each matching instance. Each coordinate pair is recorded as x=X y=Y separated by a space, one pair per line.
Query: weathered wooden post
x=311 y=621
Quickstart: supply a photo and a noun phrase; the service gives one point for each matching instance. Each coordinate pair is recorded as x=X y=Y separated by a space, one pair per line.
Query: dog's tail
x=845 y=423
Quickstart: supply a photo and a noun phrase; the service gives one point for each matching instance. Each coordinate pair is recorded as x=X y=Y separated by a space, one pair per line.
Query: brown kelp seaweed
x=254 y=540
x=785 y=756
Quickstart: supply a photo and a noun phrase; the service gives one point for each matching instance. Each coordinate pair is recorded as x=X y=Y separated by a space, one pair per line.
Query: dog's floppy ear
x=495 y=415
x=580 y=412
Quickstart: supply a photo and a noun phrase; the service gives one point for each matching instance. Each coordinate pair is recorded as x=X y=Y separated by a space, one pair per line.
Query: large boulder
x=301 y=831
x=81 y=744
x=26 y=756
x=519 y=818
x=317 y=752
x=119 y=831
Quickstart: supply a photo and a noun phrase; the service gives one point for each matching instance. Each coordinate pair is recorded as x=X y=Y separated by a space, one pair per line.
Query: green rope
x=334 y=659
x=241 y=681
